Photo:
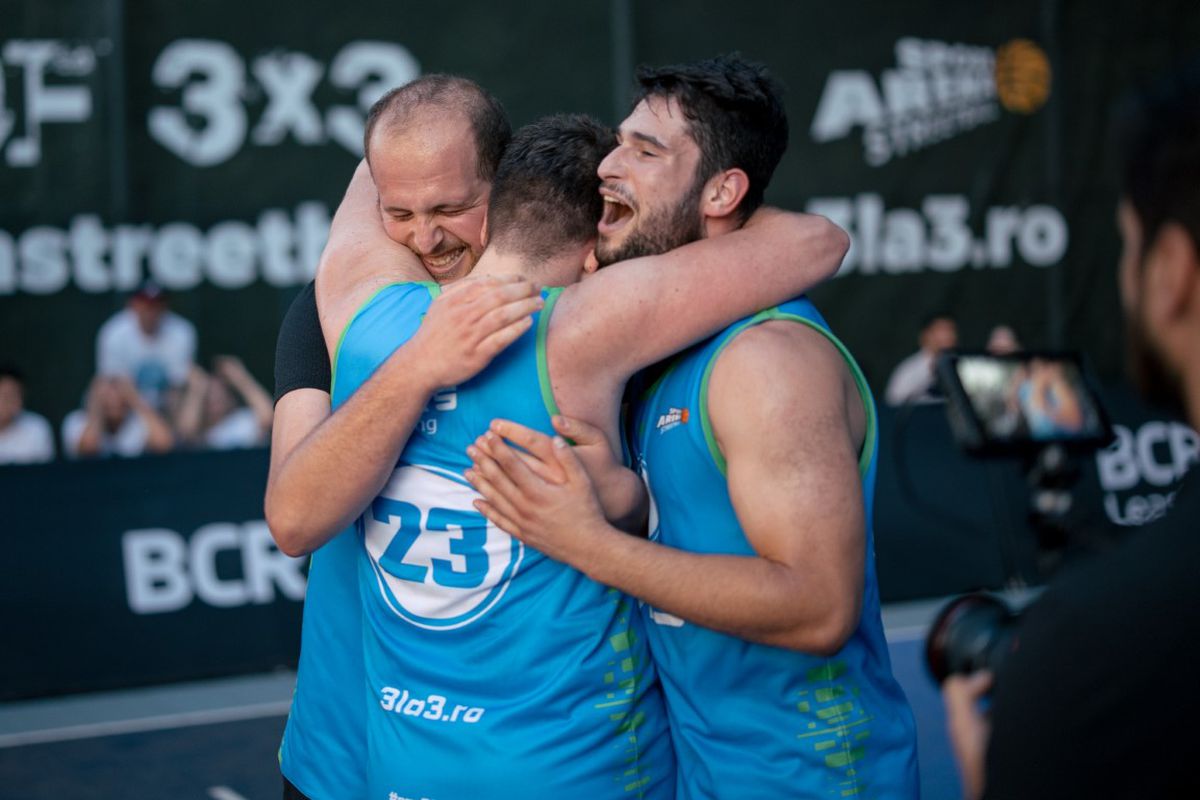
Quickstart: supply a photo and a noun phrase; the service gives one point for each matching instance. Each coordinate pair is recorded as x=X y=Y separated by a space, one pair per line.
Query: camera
x=973 y=632
x=1042 y=408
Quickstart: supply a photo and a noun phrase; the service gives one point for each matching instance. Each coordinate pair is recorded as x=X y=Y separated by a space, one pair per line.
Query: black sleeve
x=300 y=358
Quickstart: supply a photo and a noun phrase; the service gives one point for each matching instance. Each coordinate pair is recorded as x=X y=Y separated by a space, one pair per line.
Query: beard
x=662 y=230
x=1158 y=384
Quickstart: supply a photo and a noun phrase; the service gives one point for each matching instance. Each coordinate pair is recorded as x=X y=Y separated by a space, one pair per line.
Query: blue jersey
x=324 y=750
x=492 y=670
x=750 y=720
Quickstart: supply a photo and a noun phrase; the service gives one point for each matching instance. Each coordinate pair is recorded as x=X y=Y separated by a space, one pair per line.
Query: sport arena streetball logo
x=936 y=91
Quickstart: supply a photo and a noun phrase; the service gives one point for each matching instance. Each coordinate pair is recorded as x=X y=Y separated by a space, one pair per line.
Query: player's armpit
x=790 y=424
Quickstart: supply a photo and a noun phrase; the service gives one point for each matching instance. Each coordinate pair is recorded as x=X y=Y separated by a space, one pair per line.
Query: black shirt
x=1101 y=698
x=301 y=361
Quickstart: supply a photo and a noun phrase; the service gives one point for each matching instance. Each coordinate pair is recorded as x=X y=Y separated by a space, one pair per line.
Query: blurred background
x=176 y=165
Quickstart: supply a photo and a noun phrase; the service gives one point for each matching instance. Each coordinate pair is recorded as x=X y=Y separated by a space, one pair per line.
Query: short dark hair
x=735 y=113
x=12 y=371
x=488 y=121
x=935 y=316
x=1158 y=134
x=546 y=194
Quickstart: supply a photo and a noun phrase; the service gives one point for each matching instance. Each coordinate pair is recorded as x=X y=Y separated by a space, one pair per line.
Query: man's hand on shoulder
x=469 y=324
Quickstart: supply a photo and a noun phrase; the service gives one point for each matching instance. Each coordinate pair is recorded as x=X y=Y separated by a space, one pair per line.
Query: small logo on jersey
x=664 y=619
x=445 y=400
x=438 y=563
x=672 y=419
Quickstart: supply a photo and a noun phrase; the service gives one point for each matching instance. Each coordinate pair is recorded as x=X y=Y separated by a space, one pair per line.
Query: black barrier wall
x=128 y=572
x=206 y=145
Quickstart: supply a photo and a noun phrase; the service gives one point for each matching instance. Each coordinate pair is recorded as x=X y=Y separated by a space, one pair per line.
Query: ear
x=723 y=193
x=1171 y=272
x=483 y=231
x=590 y=264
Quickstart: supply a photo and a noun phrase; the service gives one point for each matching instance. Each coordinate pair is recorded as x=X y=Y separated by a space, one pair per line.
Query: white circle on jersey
x=438 y=563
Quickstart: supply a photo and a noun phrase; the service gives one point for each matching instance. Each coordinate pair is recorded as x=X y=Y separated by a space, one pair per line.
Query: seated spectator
x=148 y=344
x=210 y=414
x=913 y=380
x=25 y=437
x=1002 y=341
x=115 y=421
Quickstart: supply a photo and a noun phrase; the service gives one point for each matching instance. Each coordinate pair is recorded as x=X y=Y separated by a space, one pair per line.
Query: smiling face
x=649 y=184
x=431 y=198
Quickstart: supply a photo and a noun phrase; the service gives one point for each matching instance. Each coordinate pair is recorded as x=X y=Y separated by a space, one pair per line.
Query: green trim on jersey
x=543 y=365
x=434 y=291
x=860 y=382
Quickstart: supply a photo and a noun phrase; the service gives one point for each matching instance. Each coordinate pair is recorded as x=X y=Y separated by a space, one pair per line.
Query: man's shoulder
x=174 y=324
x=777 y=350
x=386 y=318
x=119 y=323
x=35 y=423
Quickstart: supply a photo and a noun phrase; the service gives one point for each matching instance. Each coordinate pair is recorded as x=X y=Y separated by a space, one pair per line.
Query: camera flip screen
x=1022 y=401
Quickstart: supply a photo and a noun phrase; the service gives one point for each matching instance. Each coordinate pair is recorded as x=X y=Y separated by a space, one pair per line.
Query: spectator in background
x=116 y=420
x=1002 y=341
x=913 y=380
x=148 y=344
x=210 y=414
x=25 y=437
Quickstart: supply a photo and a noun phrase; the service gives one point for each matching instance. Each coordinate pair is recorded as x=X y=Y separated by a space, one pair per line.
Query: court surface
x=218 y=740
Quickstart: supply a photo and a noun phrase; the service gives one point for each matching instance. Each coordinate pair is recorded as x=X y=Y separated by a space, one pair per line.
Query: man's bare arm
x=791 y=447
x=634 y=313
x=335 y=470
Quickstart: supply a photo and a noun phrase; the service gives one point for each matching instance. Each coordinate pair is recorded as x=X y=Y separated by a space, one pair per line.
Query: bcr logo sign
x=165 y=571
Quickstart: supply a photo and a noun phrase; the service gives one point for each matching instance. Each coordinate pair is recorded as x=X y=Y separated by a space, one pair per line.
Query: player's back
x=492 y=670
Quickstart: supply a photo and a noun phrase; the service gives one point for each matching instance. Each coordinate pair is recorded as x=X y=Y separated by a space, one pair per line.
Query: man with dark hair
x=25 y=437
x=758 y=447
x=1100 y=697
x=913 y=379
x=150 y=345
x=566 y=706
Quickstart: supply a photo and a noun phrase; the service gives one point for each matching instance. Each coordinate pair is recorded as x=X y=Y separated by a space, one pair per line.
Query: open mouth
x=443 y=263
x=617 y=212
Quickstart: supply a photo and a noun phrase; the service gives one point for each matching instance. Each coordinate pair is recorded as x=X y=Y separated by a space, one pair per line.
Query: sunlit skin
x=648 y=183
x=431 y=198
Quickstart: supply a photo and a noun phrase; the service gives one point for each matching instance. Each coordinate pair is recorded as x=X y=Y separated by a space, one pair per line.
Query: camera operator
x=1101 y=694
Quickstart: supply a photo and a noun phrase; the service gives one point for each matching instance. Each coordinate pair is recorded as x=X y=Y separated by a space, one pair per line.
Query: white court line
x=223 y=793
x=140 y=725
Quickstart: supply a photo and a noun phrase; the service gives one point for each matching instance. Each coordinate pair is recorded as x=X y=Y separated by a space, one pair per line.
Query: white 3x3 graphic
x=438 y=563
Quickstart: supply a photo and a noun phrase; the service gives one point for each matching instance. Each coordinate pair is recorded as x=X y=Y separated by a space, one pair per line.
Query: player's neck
x=560 y=271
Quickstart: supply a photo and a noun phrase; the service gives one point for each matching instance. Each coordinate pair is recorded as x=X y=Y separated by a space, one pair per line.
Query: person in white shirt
x=913 y=380
x=25 y=437
x=148 y=344
x=210 y=414
x=116 y=421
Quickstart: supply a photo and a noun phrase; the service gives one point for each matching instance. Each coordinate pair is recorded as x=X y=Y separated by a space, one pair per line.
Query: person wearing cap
x=148 y=344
